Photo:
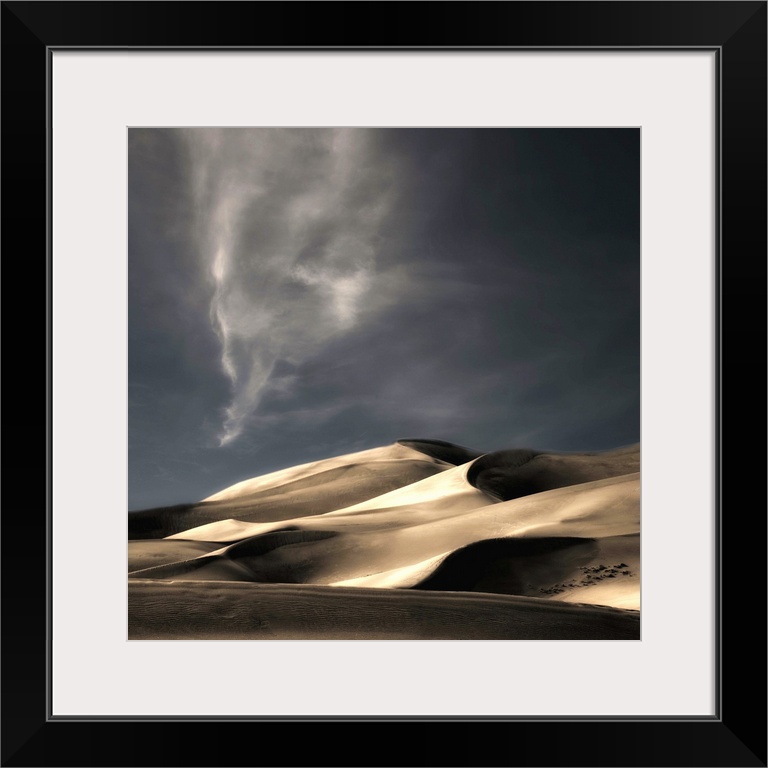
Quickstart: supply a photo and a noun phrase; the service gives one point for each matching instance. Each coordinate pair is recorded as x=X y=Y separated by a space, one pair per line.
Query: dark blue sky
x=296 y=294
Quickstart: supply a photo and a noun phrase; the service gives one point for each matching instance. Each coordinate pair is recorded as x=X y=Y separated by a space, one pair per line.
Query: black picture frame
x=736 y=735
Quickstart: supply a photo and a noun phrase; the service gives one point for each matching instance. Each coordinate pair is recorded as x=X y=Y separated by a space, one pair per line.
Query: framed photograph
x=593 y=173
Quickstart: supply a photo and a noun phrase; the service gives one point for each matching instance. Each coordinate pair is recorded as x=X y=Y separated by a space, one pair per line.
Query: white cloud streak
x=288 y=221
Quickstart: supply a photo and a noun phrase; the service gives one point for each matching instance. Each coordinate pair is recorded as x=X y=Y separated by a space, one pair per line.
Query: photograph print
x=383 y=383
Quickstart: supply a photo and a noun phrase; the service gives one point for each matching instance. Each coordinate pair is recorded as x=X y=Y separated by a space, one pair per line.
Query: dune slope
x=241 y=611
x=310 y=489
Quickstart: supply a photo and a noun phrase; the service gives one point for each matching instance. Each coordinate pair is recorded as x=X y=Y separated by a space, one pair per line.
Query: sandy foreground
x=416 y=540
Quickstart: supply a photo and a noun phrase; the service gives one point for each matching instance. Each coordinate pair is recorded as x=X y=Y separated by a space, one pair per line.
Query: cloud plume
x=287 y=222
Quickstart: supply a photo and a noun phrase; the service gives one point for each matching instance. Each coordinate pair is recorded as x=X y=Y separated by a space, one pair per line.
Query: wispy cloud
x=288 y=221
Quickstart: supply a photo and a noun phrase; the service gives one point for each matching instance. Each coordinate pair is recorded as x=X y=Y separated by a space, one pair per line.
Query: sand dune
x=511 y=474
x=172 y=610
x=148 y=553
x=450 y=491
x=554 y=529
x=310 y=489
x=395 y=452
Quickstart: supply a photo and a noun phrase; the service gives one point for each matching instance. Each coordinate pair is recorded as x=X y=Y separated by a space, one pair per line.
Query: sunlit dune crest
x=395 y=452
x=537 y=530
x=309 y=489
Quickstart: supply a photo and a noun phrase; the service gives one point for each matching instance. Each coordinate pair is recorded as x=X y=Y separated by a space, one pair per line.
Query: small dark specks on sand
x=592 y=575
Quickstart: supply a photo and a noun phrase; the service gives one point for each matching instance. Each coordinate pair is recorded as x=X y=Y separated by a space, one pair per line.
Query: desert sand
x=416 y=540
